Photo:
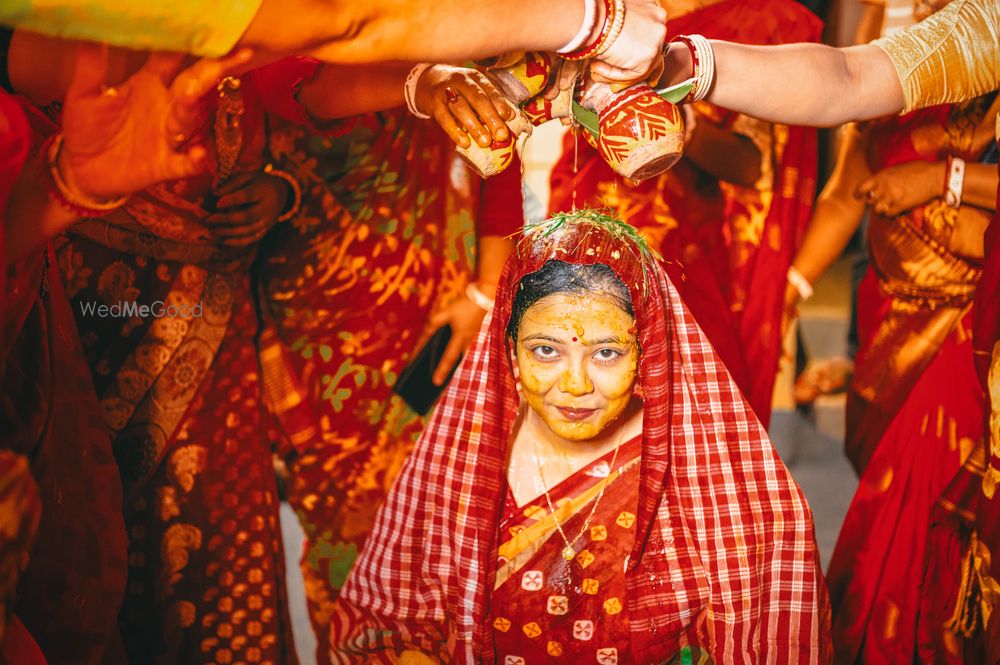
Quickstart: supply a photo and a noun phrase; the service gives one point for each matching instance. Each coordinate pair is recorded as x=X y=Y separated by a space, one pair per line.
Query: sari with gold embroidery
x=179 y=393
x=706 y=540
x=385 y=239
x=915 y=414
x=948 y=58
x=721 y=241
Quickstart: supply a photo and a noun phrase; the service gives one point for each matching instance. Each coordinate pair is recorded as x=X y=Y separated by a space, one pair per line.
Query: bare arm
x=837 y=214
x=980 y=187
x=351 y=31
x=442 y=30
x=799 y=84
x=340 y=91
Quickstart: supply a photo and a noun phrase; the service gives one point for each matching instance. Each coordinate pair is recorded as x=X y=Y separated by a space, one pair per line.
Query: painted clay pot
x=489 y=161
x=540 y=110
x=641 y=134
x=524 y=79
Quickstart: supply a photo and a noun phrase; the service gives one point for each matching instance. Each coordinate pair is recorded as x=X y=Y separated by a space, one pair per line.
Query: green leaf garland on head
x=547 y=231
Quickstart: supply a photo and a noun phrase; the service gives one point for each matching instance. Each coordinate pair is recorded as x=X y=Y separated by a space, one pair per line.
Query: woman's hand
x=122 y=139
x=465 y=318
x=248 y=206
x=902 y=187
x=464 y=103
x=638 y=49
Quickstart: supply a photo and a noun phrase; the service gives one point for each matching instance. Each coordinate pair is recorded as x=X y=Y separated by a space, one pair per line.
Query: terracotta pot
x=525 y=78
x=486 y=162
x=540 y=110
x=641 y=134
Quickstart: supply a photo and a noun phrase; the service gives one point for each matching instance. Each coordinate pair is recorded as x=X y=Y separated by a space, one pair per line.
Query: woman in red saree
x=725 y=232
x=70 y=593
x=915 y=410
x=177 y=390
x=675 y=523
x=381 y=252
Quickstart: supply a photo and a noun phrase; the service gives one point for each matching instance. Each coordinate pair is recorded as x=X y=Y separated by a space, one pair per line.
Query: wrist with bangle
x=477 y=297
x=61 y=189
x=954 y=181
x=800 y=283
x=291 y=207
x=586 y=28
x=611 y=29
x=410 y=89
x=702 y=65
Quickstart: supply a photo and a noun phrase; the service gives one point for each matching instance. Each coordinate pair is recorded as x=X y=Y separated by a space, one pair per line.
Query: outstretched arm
x=950 y=57
x=349 y=31
x=798 y=84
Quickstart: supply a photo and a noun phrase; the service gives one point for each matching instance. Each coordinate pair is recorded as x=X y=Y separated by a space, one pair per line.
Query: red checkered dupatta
x=725 y=556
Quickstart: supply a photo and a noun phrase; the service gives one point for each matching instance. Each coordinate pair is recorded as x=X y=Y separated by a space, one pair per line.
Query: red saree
x=914 y=417
x=69 y=594
x=720 y=554
x=720 y=241
x=976 y=486
x=551 y=602
x=179 y=394
x=386 y=238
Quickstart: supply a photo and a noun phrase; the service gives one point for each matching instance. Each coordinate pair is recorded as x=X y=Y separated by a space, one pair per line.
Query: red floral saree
x=914 y=417
x=385 y=239
x=720 y=554
x=721 y=241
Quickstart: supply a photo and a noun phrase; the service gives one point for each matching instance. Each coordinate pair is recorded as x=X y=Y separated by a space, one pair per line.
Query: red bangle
x=683 y=39
x=589 y=51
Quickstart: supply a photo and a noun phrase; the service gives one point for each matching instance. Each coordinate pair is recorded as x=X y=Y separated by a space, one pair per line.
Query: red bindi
x=574 y=339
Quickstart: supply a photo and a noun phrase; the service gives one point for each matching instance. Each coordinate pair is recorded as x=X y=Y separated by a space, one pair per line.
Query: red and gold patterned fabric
x=721 y=553
x=976 y=486
x=568 y=608
x=386 y=238
x=915 y=416
x=179 y=393
x=721 y=241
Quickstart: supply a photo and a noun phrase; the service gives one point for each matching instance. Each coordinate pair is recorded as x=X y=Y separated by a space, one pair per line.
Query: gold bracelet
x=66 y=196
x=292 y=210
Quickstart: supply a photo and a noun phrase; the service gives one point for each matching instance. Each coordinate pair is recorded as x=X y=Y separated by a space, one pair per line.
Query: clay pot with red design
x=641 y=134
x=520 y=77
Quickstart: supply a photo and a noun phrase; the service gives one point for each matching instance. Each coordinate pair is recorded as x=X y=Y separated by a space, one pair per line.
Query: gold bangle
x=65 y=194
x=292 y=210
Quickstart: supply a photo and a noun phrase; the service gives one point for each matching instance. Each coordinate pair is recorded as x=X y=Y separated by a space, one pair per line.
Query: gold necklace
x=569 y=552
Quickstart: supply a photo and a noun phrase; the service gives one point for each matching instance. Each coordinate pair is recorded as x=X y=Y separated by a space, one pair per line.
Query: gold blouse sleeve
x=952 y=56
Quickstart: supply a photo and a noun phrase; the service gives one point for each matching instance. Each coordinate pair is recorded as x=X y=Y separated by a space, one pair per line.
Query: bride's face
x=576 y=357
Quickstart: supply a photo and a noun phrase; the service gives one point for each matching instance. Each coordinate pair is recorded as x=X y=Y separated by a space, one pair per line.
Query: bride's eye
x=607 y=356
x=544 y=352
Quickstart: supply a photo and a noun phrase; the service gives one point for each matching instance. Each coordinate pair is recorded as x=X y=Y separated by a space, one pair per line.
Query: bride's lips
x=575 y=414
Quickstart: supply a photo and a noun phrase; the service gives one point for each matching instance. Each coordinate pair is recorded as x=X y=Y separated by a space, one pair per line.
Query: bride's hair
x=561 y=277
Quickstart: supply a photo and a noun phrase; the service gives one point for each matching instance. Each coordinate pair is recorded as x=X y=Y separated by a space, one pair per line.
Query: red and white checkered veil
x=725 y=556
